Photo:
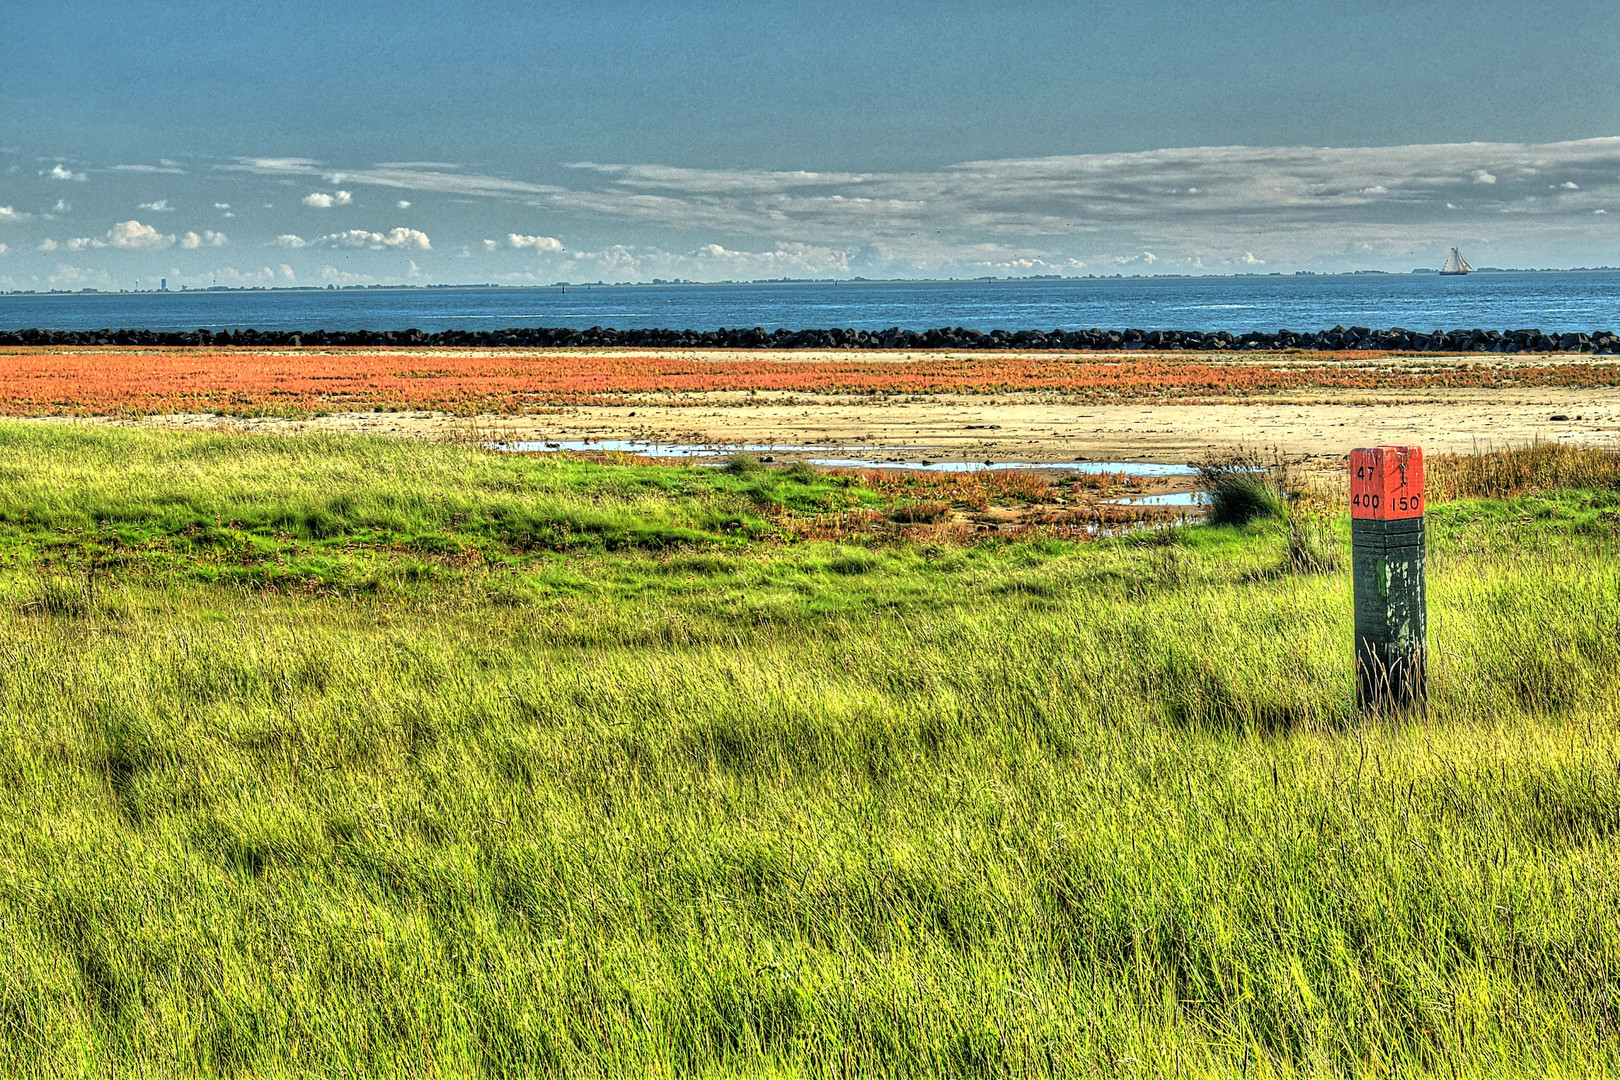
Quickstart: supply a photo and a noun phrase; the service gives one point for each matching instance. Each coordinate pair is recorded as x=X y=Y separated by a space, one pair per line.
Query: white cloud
x=167 y=167
x=126 y=234
x=1600 y=211
x=58 y=172
x=3 y=249
x=209 y=238
x=1248 y=259
x=9 y=214
x=714 y=181
x=408 y=175
x=61 y=207
x=412 y=239
x=1571 y=185
x=490 y=245
x=132 y=234
x=404 y=204
x=161 y=206
x=539 y=243
x=1483 y=177
x=289 y=240
x=222 y=206
x=320 y=200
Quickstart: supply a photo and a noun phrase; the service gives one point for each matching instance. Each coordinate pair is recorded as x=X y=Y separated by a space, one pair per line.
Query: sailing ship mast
x=1456 y=264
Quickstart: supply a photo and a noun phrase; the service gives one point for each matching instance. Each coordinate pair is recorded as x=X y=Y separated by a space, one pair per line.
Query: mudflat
x=1151 y=406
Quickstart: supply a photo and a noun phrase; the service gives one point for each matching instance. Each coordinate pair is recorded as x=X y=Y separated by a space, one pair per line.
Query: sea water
x=1551 y=301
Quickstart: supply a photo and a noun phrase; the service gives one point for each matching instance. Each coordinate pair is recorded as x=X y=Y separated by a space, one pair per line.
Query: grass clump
x=1244 y=486
x=803 y=472
x=922 y=512
x=744 y=464
x=1312 y=547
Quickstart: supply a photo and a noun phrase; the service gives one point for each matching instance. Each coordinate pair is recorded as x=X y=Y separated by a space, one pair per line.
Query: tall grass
x=827 y=809
x=1522 y=470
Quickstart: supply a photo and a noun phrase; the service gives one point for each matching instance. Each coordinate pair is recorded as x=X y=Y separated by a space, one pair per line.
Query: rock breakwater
x=1338 y=339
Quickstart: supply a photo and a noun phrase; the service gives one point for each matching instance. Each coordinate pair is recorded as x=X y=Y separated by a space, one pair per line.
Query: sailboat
x=1456 y=264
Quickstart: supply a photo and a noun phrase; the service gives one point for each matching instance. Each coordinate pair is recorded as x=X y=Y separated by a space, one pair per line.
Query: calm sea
x=1551 y=301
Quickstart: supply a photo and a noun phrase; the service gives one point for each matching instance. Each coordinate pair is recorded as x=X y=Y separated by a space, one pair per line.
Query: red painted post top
x=1386 y=482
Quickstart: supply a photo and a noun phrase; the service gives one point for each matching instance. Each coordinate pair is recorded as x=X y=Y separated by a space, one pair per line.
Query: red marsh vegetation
x=107 y=381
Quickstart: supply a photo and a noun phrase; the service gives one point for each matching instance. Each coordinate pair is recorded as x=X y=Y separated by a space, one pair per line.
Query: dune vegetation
x=337 y=755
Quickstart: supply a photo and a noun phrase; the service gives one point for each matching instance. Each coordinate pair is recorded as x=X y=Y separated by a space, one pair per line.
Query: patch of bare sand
x=1036 y=428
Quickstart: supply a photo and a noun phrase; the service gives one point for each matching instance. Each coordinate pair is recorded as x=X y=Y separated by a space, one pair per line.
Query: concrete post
x=1386 y=536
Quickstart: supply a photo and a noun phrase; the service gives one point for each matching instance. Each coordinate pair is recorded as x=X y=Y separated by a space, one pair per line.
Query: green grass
x=681 y=798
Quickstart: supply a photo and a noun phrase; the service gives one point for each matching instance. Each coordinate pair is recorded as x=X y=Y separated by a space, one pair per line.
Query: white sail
x=1456 y=264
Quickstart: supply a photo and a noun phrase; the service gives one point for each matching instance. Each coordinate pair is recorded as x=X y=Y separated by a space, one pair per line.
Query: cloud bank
x=1198 y=209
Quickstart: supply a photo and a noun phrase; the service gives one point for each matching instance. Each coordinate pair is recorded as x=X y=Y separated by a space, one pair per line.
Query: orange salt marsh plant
x=42 y=381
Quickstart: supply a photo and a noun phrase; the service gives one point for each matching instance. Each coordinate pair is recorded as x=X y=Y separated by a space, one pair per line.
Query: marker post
x=1386 y=537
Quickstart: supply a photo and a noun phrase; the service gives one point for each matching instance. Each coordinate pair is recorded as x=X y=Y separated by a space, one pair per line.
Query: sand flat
x=1042 y=426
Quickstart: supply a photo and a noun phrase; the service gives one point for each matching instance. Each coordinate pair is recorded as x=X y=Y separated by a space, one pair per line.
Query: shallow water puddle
x=1173 y=498
x=713 y=450
x=674 y=450
x=1133 y=468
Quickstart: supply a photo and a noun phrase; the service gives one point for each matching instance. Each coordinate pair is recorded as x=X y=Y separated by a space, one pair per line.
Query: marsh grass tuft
x=744 y=464
x=921 y=512
x=1246 y=486
x=1312 y=547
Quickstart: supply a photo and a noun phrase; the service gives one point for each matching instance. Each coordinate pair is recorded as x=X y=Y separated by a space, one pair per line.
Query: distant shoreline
x=1337 y=339
x=1033 y=279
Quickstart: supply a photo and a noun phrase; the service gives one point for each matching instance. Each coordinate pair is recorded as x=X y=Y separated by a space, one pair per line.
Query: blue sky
x=305 y=143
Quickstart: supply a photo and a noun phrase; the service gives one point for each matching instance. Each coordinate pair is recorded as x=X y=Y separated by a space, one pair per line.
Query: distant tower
x=163 y=284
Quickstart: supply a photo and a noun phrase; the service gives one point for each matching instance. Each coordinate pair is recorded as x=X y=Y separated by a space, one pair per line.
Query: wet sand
x=1037 y=426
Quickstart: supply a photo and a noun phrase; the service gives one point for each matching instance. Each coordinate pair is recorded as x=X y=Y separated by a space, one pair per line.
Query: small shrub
x=741 y=464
